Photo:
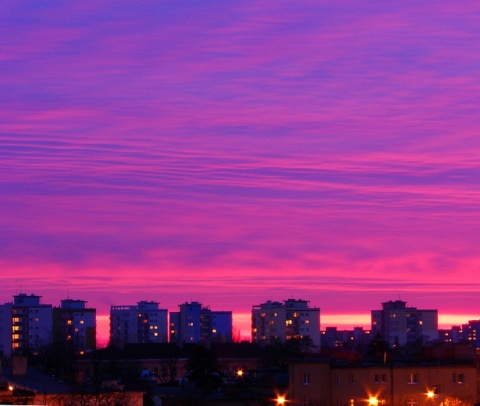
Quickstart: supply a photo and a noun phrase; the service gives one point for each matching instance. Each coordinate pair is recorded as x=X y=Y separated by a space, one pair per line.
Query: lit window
x=82 y=322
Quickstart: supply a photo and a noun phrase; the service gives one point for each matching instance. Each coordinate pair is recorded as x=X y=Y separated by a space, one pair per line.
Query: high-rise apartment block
x=195 y=323
x=25 y=325
x=283 y=321
x=143 y=323
x=74 y=325
x=398 y=324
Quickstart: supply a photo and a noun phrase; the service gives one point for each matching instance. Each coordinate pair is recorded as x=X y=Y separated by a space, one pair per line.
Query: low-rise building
x=320 y=383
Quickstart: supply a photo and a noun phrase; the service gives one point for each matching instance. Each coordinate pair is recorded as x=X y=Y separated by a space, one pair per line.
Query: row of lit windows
x=69 y=322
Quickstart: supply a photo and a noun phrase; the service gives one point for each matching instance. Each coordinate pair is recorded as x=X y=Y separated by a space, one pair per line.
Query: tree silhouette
x=203 y=369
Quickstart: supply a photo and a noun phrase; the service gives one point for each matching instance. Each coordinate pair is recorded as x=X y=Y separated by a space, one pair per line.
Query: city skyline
x=234 y=152
x=242 y=322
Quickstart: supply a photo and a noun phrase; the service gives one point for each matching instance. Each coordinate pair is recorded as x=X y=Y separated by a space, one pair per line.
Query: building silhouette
x=137 y=324
x=195 y=323
x=398 y=324
x=292 y=319
x=26 y=325
x=74 y=325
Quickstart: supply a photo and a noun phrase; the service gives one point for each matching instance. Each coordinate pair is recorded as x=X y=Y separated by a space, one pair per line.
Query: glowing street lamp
x=373 y=401
x=240 y=373
x=430 y=394
x=281 y=400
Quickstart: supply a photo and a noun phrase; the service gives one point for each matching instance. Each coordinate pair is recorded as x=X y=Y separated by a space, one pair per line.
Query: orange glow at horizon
x=242 y=322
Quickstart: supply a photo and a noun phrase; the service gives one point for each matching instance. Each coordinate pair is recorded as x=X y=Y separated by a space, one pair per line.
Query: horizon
x=241 y=321
x=228 y=152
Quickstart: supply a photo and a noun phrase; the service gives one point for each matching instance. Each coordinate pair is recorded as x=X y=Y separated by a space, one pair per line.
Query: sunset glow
x=236 y=152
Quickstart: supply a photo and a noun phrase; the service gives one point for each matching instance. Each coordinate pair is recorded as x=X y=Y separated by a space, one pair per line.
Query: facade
x=398 y=324
x=143 y=323
x=6 y=329
x=319 y=383
x=75 y=325
x=283 y=321
x=30 y=325
x=195 y=323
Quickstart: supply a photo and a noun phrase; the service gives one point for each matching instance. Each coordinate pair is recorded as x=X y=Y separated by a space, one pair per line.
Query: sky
x=233 y=152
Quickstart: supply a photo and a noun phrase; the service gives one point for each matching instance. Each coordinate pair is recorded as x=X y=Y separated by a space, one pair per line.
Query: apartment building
x=74 y=325
x=283 y=321
x=6 y=329
x=25 y=325
x=194 y=323
x=137 y=324
x=320 y=383
x=398 y=324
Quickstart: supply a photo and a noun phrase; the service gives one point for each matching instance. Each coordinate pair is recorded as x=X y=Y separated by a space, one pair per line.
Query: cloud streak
x=313 y=149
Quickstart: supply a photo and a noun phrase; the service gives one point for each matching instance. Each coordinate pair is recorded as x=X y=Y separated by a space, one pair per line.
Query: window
x=412 y=378
x=306 y=402
x=306 y=378
x=412 y=402
x=458 y=378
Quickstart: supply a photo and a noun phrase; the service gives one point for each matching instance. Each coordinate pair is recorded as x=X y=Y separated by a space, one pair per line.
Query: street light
x=373 y=401
x=281 y=400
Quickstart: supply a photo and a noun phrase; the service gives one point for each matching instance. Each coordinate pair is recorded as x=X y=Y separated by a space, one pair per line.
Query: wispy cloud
x=212 y=151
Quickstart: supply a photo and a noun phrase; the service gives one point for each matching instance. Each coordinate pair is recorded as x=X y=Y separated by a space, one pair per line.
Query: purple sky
x=232 y=152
